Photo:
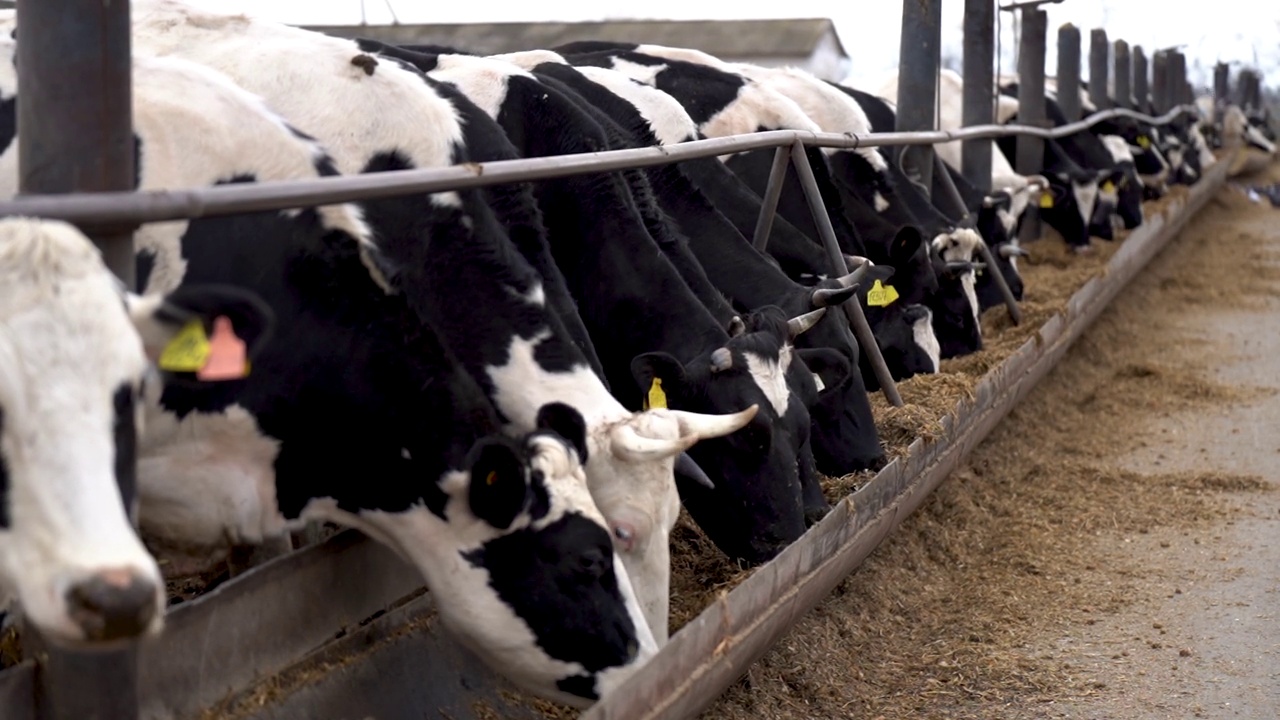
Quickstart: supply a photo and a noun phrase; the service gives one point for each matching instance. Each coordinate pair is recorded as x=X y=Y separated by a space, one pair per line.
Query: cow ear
x=876 y=272
x=566 y=422
x=905 y=244
x=161 y=319
x=499 y=488
x=658 y=366
x=830 y=364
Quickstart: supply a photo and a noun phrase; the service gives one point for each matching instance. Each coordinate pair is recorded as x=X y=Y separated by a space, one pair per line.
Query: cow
x=1022 y=189
x=724 y=102
x=355 y=413
x=425 y=131
x=1118 y=185
x=75 y=351
x=603 y=246
x=844 y=435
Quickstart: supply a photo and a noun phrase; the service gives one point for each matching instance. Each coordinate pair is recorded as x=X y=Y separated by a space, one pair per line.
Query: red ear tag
x=227 y=358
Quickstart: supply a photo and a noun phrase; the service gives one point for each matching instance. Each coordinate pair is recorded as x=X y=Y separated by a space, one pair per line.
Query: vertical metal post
x=1221 y=85
x=919 y=54
x=1031 y=107
x=74 y=77
x=773 y=191
x=853 y=306
x=1176 y=79
x=1123 y=75
x=979 y=53
x=1141 y=81
x=1160 y=81
x=1099 y=55
x=76 y=110
x=1069 y=71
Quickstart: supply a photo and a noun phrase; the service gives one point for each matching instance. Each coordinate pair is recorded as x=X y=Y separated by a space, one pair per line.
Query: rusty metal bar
x=852 y=306
x=1141 y=81
x=773 y=191
x=919 y=55
x=1031 y=108
x=1099 y=54
x=161 y=205
x=1123 y=75
x=979 y=89
x=717 y=647
x=75 y=79
x=1069 y=71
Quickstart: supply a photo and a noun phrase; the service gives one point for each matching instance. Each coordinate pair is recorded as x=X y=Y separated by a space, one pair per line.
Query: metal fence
x=77 y=165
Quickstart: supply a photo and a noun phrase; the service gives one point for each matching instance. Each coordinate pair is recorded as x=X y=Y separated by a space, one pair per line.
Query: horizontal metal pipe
x=125 y=209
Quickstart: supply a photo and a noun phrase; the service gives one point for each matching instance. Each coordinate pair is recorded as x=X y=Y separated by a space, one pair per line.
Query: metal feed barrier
x=319 y=607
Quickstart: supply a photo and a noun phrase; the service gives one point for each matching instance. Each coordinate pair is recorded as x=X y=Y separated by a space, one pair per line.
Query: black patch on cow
x=570 y=559
x=365 y=62
x=499 y=490
x=568 y=424
x=4 y=481
x=580 y=685
x=8 y=122
x=125 y=431
x=144 y=263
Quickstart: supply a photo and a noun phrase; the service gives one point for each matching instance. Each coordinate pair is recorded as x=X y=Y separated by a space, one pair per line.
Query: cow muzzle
x=113 y=604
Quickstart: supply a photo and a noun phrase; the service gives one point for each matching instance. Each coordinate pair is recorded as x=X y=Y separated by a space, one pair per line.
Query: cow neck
x=795 y=252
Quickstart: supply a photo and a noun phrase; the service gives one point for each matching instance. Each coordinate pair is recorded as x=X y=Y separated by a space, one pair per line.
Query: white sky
x=1243 y=31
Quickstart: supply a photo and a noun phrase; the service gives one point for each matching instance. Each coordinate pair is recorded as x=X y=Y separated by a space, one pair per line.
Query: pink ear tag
x=227 y=358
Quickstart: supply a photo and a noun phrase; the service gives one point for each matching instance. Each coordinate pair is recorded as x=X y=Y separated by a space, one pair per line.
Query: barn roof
x=722 y=38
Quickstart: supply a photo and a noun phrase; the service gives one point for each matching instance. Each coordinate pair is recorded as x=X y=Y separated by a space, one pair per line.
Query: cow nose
x=112 y=604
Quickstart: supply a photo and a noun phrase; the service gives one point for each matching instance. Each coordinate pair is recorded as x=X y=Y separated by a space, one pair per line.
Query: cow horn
x=1008 y=251
x=687 y=467
x=721 y=360
x=800 y=323
x=700 y=426
x=736 y=326
x=826 y=297
x=854 y=277
x=960 y=266
x=631 y=445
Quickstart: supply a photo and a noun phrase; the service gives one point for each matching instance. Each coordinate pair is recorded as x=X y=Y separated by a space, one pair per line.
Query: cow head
x=903 y=329
x=1110 y=182
x=956 y=319
x=630 y=465
x=1067 y=205
x=999 y=231
x=74 y=352
x=748 y=519
x=522 y=565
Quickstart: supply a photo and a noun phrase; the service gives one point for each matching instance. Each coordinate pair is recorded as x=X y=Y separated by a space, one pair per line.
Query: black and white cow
x=355 y=413
x=1087 y=150
x=724 y=102
x=74 y=348
x=843 y=427
x=603 y=245
x=637 y=491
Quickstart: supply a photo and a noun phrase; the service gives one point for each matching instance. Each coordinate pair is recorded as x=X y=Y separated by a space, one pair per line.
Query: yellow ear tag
x=1144 y=142
x=656 y=397
x=1108 y=187
x=881 y=295
x=491 y=478
x=1046 y=200
x=187 y=351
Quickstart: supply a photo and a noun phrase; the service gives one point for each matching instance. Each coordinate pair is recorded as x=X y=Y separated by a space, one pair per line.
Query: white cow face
x=71 y=367
x=630 y=467
x=522 y=567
